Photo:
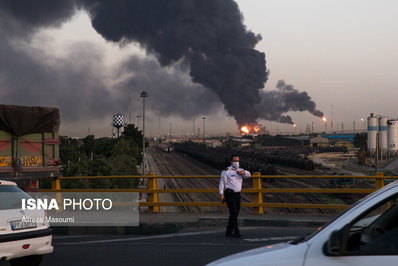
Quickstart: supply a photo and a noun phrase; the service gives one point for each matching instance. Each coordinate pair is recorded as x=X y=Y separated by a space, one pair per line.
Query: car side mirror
x=336 y=244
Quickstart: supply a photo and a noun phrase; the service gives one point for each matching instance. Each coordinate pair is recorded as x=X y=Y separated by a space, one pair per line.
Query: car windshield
x=10 y=197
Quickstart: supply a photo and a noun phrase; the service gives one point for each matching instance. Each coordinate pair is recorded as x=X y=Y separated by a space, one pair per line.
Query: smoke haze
x=201 y=57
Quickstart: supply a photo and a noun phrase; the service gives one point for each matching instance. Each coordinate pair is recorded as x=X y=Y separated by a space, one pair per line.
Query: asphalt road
x=185 y=248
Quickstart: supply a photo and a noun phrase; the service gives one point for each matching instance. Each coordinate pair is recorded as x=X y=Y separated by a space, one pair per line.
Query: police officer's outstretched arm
x=244 y=173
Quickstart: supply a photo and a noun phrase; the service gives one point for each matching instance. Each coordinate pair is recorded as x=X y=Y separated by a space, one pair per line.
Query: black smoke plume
x=277 y=102
x=206 y=37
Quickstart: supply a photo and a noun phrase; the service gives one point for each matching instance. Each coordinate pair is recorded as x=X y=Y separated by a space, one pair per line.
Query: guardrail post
x=257 y=197
x=379 y=181
x=152 y=197
x=55 y=184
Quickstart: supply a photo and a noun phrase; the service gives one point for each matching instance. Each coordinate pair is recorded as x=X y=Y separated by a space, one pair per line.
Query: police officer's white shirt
x=232 y=180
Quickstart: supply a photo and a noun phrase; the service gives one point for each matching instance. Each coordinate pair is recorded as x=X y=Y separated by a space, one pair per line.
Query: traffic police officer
x=230 y=187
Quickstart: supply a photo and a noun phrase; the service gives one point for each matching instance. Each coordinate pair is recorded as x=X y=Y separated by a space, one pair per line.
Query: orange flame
x=324 y=119
x=245 y=130
x=294 y=125
x=250 y=129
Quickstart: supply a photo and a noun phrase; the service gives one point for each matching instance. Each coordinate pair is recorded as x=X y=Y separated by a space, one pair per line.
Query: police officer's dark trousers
x=233 y=202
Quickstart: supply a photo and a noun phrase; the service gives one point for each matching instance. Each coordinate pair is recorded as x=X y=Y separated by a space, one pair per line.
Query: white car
x=366 y=234
x=25 y=235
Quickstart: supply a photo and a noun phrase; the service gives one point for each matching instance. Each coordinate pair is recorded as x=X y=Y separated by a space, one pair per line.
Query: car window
x=309 y=236
x=10 y=197
x=376 y=233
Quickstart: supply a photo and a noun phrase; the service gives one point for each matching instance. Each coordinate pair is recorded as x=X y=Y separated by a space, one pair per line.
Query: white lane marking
x=271 y=238
x=141 y=238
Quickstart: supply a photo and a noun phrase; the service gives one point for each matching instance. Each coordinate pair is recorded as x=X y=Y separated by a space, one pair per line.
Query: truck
x=29 y=144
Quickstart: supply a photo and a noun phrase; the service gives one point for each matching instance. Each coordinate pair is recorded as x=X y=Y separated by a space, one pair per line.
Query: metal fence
x=257 y=190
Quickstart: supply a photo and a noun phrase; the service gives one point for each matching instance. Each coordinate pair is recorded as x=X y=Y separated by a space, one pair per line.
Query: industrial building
x=319 y=142
x=382 y=137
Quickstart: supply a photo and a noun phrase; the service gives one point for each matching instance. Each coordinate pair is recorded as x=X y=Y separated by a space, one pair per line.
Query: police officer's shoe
x=229 y=234
x=237 y=235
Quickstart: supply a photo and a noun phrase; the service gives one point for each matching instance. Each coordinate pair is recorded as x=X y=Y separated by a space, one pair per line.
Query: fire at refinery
x=324 y=119
x=247 y=129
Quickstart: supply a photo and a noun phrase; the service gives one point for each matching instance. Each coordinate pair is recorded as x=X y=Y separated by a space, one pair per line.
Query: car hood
x=275 y=254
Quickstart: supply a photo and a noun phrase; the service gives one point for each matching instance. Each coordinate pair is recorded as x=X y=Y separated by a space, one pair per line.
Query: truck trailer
x=29 y=144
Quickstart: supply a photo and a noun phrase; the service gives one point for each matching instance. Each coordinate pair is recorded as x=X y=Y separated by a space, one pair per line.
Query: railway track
x=184 y=165
x=170 y=169
x=173 y=164
x=180 y=164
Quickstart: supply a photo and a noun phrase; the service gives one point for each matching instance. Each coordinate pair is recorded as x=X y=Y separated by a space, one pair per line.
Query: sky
x=342 y=53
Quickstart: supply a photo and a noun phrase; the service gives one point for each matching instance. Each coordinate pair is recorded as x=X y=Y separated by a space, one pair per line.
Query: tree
x=132 y=135
x=134 y=138
x=69 y=150
x=122 y=147
x=89 y=145
x=112 y=157
x=104 y=146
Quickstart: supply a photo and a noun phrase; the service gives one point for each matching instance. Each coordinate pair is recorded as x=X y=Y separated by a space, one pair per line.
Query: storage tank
x=372 y=133
x=392 y=143
x=383 y=136
x=118 y=122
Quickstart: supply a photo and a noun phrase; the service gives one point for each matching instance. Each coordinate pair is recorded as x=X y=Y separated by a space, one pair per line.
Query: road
x=190 y=247
x=186 y=248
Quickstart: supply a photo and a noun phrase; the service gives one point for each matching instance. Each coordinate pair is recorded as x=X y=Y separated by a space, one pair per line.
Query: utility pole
x=129 y=110
x=170 y=131
x=204 y=118
x=331 y=121
x=160 y=135
x=144 y=95
x=377 y=150
x=193 y=127
x=364 y=124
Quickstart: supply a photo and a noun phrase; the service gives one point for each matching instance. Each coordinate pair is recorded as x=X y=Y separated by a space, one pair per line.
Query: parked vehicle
x=25 y=235
x=365 y=234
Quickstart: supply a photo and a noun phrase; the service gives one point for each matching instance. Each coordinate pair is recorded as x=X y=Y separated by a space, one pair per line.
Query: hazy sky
x=343 y=53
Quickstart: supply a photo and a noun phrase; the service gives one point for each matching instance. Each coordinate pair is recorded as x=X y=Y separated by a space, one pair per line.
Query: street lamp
x=204 y=118
x=144 y=94
x=364 y=124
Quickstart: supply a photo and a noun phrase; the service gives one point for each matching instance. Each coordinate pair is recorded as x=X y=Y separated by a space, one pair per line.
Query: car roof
x=7 y=183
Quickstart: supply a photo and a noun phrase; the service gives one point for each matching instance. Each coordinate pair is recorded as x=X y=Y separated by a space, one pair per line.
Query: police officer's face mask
x=235 y=165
